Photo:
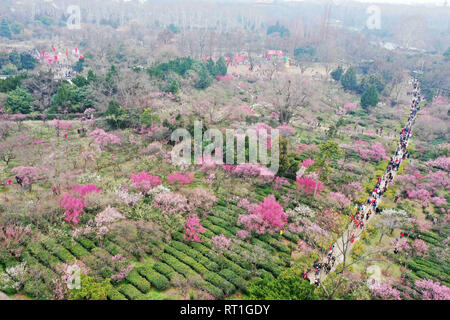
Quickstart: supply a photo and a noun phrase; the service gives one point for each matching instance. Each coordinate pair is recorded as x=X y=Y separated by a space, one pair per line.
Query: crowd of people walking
x=364 y=212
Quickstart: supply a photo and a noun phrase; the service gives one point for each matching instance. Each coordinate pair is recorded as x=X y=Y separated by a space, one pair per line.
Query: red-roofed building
x=238 y=59
x=274 y=53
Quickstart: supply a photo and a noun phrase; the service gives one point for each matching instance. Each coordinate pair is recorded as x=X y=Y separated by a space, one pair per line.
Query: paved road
x=343 y=245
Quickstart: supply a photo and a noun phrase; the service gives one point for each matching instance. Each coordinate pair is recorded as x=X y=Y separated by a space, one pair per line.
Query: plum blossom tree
x=441 y=163
x=309 y=185
x=105 y=218
x=200 y=201
x=178 y=178
x=171 y=203
x=421 y=195
x=420 y=248
x=385 y=291
x=340 y=199
x=12 y=237
x=286 y=130
x=60 y=125
x=375 y=153
x=144 y=181
x=430 y=290
x=27 y=175
x=306 y=163
x=73 y=207
x=267 y=217
x=220 y=244
x=104 y=139
x=85 y=189
x=193 y=229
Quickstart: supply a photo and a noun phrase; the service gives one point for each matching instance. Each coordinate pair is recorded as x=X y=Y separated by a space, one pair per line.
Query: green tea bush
x=159 y=281
x=139 y=282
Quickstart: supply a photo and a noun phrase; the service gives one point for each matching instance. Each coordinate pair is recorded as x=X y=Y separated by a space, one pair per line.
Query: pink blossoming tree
x=144 y=181
x=267 y=217
x=193 y=229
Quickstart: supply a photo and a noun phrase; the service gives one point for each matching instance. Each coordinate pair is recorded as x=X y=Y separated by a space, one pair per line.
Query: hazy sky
x=435 y=2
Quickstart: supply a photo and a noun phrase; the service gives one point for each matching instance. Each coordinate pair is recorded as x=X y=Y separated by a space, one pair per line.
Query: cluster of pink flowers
x=193 y=229
x=356 y=185
x=308 y=185
x=63 y=125
x=286 y=130
x=245 y=204
x=224 y=78
x=375 y=153
x=267 y=217
x=180 y=179
x=124 y=268
x=247 y=170
x=103 y=138
x=420 y=247
x=306 y=163
x=85 y=189
x=74 y=204
x=29 y=175
x=128 y=198
x=200 y=200
x=242 y=234
x=431 y=290
x=73 y=207
x=403 y=245
x=144 y=181
x=340 y=198
x=385 y=291
x=171 y=202
x=207 y=163
x=220 y=243
x=303 y=246
x=278 y=182
x=313 y=230
x=421 y=224
x=439 y=201
x=441 y=163
x=421 y=195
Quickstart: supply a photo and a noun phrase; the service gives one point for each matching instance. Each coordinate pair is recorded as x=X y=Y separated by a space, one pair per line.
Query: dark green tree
x=78 y=67
x=348 y=80
x=277 y=28
x=11 y=83
x=337 y=74
x=5 y=30
x=148 y=118
x=373 y=79
x=14 y=58
x=204 y=77
x=27 y=61
x=80 y=81
x=174 y=86
x=369 y=97
x=212 y=69
x=221 y=66
x=116 y=116
x=19 y=101
x=91 y=77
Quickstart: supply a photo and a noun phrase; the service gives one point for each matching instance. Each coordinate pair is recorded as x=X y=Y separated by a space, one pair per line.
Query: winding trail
x=343 y=245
